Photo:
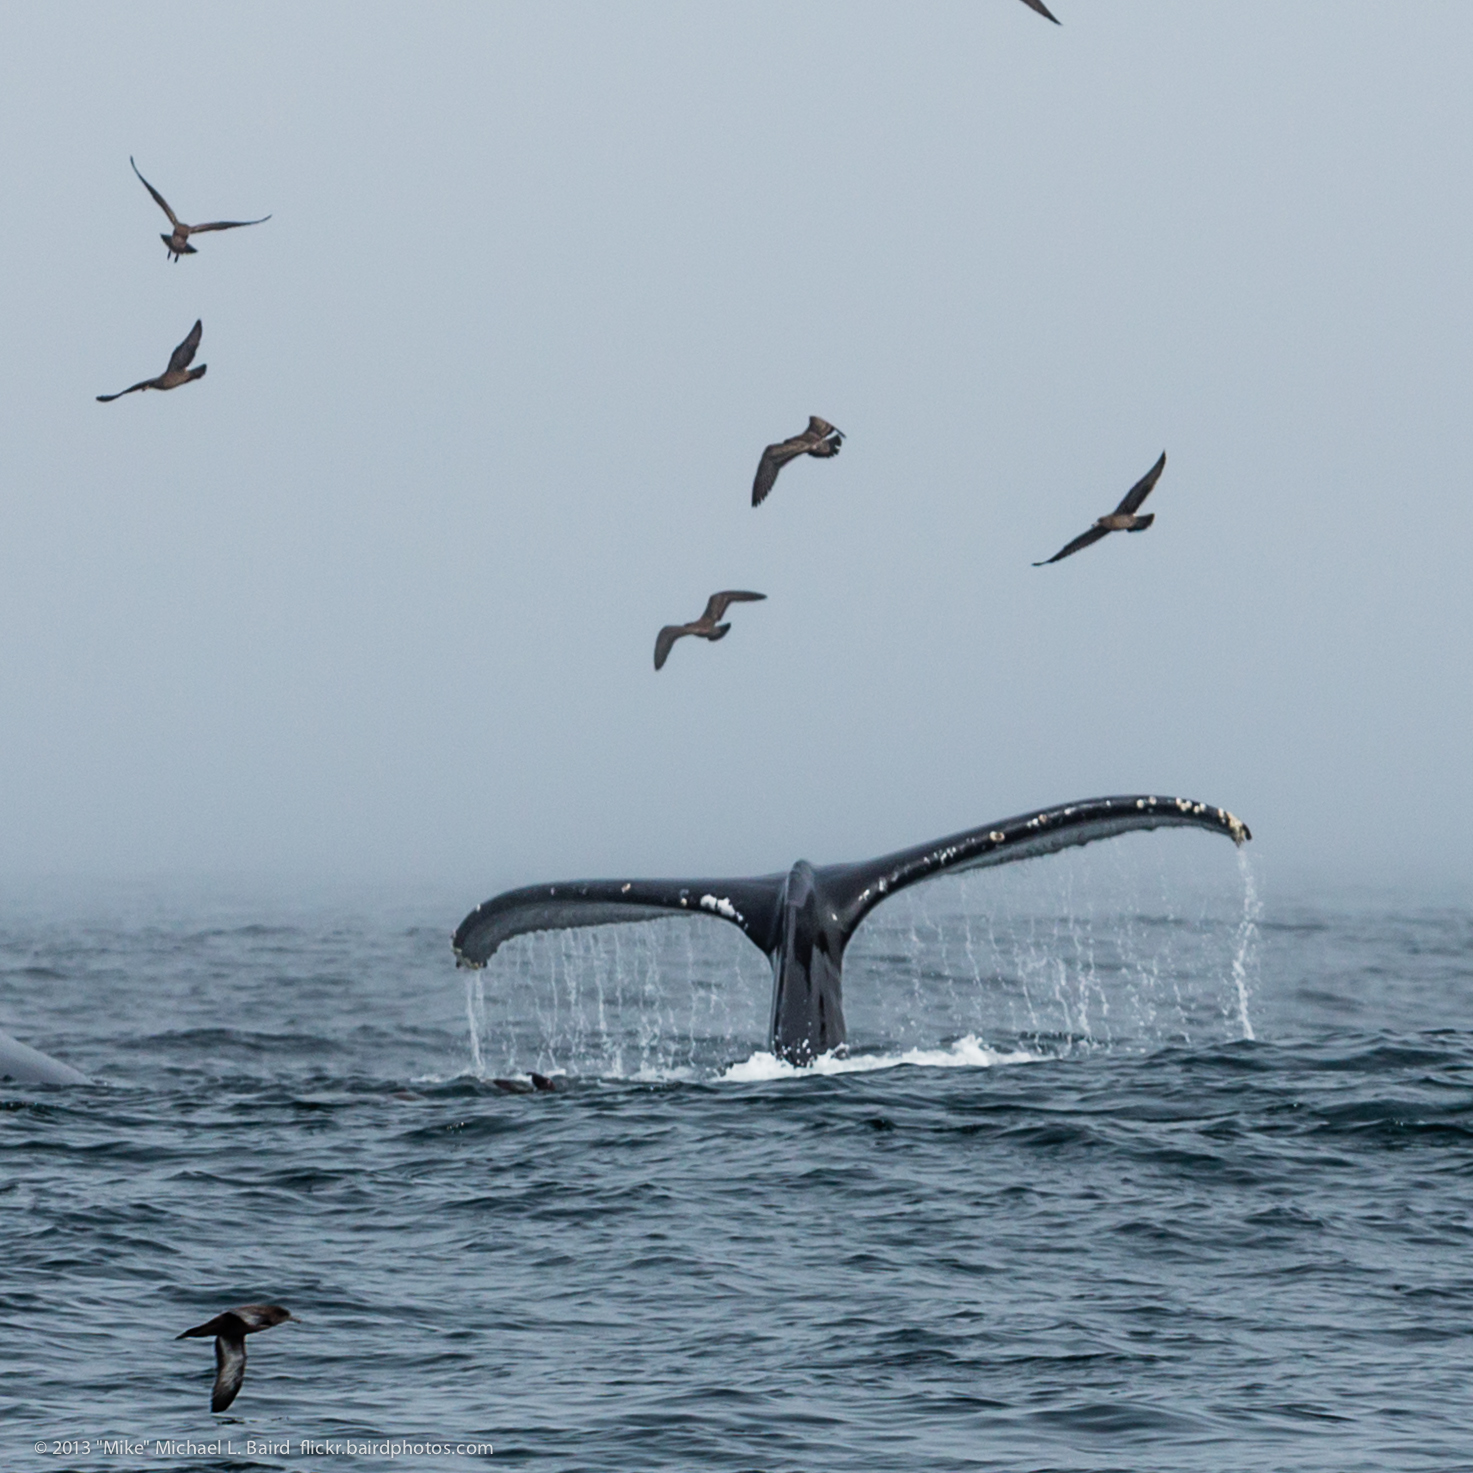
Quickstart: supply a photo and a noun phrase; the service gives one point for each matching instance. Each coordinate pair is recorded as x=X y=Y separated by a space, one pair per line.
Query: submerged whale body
x=803 y=920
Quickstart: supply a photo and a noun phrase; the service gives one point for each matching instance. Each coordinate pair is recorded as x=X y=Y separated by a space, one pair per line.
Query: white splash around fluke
x=965 y=1053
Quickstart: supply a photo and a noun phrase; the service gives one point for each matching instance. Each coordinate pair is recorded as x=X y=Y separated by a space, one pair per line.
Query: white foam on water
x=966 y=1053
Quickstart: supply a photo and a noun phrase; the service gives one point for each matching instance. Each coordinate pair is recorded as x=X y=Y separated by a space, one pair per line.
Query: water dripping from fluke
x=1020 y=998
x=1245 y=953
x=1129 y=947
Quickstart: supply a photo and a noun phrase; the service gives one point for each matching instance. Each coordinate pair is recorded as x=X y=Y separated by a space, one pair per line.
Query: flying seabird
x=1042 y=9
x=1122 y=519
x=820 y=439
x=706 y=626
x=178 y=372
x=178 y=243
x=230 y=1330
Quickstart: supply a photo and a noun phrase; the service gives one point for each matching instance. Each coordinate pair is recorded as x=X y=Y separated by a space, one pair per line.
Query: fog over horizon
x=374 y=602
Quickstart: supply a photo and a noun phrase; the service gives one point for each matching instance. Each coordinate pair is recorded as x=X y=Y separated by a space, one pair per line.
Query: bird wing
x=718 y=603
x=183 y=355
x=230 y=1362
x=261 y=1316
x=818 y=429
x=162 y=203
x=209 y=1328
x=225 y=225
x=774 y=458
x=665 y=639
x=148 y=383
x=1083 y=540
x=1042 y=9
x=1142 y=488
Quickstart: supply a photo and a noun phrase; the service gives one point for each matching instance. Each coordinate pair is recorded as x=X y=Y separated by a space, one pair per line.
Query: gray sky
x=378 y=596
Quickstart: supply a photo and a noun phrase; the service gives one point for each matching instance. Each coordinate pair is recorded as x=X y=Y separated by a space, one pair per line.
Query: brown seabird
x=230 y=1330
x=178 y=243
x=820 y=439
x=1042 y=9
x=706 y=627
x=1122 y=519
x=178 y=372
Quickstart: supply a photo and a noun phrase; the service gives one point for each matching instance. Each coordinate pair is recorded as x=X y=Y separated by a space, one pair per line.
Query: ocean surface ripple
x=1056 y=1209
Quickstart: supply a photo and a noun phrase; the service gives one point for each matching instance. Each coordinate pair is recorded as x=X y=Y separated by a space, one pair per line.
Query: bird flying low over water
x=178 y=242
x=178 y=372
x=1042 y=9
x=230 y=1330
x=820 y=439
x=1122 y=519
x=706 y=627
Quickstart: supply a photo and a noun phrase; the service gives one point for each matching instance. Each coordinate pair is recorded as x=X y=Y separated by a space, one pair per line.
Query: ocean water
x=1130 y=1164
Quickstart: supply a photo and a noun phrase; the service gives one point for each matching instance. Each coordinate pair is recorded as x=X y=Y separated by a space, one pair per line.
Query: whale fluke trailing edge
x=803 y=920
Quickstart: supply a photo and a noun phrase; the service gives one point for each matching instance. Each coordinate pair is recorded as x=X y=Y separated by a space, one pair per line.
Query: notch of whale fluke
x=803 y=919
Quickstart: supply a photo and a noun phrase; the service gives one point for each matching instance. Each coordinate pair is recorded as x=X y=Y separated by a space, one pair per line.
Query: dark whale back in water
x=804 y=919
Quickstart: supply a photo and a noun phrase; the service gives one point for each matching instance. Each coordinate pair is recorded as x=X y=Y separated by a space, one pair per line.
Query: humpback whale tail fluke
x=802 y=920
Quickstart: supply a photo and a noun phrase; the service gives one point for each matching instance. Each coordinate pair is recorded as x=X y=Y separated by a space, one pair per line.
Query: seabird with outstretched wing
x=1122 y=519
x=178 y=372
x=820 y=439
x=230 y=1330
x=708 y=626
x=177 y=242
